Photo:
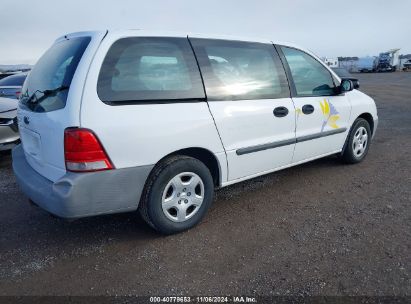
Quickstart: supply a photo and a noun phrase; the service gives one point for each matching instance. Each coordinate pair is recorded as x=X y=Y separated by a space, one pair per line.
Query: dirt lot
x=322 y=228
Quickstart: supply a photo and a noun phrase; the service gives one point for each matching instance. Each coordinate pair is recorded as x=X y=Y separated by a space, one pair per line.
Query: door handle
x=308 y=109
x=280 y=112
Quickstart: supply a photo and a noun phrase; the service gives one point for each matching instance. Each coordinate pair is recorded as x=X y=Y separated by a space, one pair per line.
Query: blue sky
x=329 y=28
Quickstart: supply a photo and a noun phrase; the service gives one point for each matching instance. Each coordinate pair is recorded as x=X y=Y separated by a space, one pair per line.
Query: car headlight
x=6 y=121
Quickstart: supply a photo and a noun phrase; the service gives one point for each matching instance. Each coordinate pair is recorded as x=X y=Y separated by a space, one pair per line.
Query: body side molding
x=320 y=134
x=262 y=147
x=286 y=142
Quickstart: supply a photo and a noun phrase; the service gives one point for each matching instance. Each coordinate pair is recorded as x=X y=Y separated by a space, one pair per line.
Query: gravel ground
x=322 y=228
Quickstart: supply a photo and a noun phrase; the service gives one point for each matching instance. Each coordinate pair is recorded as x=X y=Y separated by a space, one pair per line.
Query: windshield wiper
x=46 y=93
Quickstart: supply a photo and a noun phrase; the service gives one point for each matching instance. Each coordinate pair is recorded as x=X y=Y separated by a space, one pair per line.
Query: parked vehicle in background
x=385 y=62
x=331 y=62
x=366 y=64
x=6 y=74
x=10 y=86
x=9 y=133
x=344 y=74
x=407 y=65
x=388 y=61
x=131 y=120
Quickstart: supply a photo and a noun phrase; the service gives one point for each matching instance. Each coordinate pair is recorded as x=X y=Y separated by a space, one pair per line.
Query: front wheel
x=358 y=142
x=177 y=195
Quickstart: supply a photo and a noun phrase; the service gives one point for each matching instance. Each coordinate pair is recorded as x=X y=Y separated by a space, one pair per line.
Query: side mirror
x=346 y=85
x=356 y=83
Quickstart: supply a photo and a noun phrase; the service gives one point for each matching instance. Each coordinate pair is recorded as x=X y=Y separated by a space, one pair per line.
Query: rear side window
x=53 y=73
x=143 y=69
x=13 y=80
x=235 y=70
x=310 y=77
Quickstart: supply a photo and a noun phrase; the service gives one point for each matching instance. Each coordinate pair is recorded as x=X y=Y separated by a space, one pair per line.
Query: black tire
x=150 y=206
x=349 y=156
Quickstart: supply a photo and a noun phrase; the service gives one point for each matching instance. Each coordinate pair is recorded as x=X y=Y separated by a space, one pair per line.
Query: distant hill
x=14 y=67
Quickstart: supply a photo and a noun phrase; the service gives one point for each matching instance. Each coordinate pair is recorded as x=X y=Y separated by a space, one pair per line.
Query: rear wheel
x=358 y=142
x=177 y=195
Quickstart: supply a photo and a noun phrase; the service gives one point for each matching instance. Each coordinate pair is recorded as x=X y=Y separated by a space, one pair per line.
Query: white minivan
x=118 y=121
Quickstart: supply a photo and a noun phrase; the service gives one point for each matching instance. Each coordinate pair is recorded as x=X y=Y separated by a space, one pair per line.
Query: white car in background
x=118 y=121
x=10 y=86
x=9 y=133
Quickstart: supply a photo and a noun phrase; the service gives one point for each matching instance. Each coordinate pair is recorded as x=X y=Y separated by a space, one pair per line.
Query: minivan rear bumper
x=77 y=195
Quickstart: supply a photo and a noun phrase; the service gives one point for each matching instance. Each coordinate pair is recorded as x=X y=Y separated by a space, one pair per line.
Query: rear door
x=323 y=115
x=249 y=98
x=50 y=101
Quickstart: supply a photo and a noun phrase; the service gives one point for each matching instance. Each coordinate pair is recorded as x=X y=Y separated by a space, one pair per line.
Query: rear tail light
x=83 y=151
x=18 y=94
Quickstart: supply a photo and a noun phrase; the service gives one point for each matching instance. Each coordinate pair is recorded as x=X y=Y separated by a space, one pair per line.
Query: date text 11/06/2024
x=205 y=299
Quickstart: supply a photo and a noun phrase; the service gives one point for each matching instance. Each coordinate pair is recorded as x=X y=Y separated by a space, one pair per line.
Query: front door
x=322 y=116
x=249 y=98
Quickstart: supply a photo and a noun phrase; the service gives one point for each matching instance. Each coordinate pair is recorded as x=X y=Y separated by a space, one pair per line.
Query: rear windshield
x=13 y=80
x=46 y=88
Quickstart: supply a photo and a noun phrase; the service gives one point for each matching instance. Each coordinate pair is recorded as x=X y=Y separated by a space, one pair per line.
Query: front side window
x=310 y=77
x=149 y=69
x=234 y=70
